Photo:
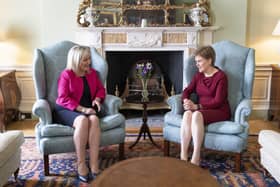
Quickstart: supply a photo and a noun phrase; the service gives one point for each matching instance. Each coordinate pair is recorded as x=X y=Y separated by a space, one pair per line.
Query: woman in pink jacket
x=80 y=94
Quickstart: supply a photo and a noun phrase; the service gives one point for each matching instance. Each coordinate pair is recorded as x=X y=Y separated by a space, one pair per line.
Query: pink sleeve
x=64 y=98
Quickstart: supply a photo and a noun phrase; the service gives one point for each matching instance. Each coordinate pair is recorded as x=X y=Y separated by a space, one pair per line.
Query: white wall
x=37 y=23
x=231 y=15
x=58 y=20
x=262 y=18
x=20 y=21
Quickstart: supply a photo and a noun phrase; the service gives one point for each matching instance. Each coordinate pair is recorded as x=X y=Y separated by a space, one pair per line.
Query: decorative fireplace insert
x=133 y=89
x=155 y=87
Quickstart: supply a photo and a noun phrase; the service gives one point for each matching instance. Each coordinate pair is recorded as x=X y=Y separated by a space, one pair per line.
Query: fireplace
x=169 y=47
x=121 y=62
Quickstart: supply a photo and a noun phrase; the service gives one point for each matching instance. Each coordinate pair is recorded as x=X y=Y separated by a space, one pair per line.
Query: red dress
x=212 y=93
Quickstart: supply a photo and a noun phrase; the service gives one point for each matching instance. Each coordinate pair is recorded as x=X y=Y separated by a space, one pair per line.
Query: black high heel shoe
x=84 y=178
x=92 y=176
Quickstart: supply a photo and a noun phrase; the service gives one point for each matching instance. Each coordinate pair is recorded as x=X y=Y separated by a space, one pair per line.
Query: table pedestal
x=144 y=128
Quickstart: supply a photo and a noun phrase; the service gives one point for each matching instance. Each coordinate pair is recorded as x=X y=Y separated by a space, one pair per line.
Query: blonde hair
x=206 y=52
x=75 y=54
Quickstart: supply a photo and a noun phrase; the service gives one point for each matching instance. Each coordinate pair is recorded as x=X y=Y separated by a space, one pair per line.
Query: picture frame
x=107 y=18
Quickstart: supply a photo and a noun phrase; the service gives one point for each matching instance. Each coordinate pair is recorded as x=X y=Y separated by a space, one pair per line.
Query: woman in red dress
x=211 y=86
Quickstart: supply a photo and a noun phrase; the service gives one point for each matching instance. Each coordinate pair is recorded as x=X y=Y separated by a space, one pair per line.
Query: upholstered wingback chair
x=56 y=138
x=238 y=63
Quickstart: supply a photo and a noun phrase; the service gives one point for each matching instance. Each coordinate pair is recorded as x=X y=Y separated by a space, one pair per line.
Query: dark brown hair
x=206 y=52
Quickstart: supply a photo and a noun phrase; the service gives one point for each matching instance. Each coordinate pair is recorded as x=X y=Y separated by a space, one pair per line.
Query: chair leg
x=166 y=147
x=46 y=165
x=16 y=173
x=237 y=162
x=121 y=151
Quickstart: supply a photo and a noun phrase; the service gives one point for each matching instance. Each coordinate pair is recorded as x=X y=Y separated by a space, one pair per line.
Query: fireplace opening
x=155 y=85
x=120 y=63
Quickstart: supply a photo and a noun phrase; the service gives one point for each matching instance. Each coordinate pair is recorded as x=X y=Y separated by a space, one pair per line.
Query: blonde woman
x=80 y=94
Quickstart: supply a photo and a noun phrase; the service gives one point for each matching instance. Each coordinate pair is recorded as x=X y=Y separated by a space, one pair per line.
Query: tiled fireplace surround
x=173 y=43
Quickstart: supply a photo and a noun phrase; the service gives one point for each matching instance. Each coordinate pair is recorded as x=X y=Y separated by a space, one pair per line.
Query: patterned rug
x=135 y=120
x=220 y=165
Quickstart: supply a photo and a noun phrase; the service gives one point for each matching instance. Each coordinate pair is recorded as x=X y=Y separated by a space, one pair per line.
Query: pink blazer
x=70 y=88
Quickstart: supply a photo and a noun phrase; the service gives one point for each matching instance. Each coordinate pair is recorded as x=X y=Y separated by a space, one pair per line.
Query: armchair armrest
x=175 y=103
x=41 y=109
x=112 y=104
x=242 y=111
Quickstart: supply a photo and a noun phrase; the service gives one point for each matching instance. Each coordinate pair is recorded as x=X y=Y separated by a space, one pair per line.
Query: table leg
x=142 y=130
x=147 y=130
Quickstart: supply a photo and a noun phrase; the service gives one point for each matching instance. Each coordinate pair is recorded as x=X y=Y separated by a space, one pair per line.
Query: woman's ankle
x=95 y=170
x=184 y=157
x=83 y=169
x=195 y=161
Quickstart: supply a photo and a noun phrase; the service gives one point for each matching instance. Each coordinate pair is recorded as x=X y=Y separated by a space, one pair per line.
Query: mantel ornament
x=196 y=14
x=101 y=13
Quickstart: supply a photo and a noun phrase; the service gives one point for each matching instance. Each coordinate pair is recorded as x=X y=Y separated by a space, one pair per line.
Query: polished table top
x=154 y=172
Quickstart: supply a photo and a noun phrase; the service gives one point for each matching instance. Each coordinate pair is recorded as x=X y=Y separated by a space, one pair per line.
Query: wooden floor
x=27 y=126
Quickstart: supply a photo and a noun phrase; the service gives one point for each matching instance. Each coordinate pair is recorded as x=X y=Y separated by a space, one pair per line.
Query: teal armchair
x=238 y=63
x=55 y=138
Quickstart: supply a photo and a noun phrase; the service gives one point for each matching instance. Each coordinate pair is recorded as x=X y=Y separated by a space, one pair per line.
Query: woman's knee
x=197 y=116
x=81 y=122
x=94 y=121
x=187 y=114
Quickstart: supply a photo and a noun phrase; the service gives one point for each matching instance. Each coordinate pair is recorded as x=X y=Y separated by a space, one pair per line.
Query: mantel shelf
x=154 y=29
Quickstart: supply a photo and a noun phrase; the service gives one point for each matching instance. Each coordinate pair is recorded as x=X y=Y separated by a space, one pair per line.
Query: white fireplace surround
x=183 y=39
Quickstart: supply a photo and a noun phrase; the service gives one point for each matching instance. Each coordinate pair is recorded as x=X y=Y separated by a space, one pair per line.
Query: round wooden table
x=154 y=172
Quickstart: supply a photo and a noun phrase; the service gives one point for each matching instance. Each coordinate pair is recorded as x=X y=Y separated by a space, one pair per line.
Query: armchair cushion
x=225 y=127
x=58 y=130
x=10 y=142
x=270 y=140
x=54 y=130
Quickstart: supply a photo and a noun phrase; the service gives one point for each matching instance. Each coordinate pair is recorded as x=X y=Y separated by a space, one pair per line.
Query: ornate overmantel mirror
x=111 y=13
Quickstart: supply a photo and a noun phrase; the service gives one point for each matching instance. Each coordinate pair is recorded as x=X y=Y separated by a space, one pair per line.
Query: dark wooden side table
x=274 y=107
x=9 y=97
x=144 y=129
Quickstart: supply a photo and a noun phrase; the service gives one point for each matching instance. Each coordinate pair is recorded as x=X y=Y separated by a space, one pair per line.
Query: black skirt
x=65 y=116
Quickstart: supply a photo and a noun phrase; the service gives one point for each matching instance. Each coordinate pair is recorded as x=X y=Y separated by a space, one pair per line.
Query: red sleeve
x=190 y=88
x=220 y=95
x=64 y=92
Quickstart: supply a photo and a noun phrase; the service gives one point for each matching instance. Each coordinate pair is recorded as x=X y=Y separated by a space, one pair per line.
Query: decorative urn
x=196 y=15
x=91 y=16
